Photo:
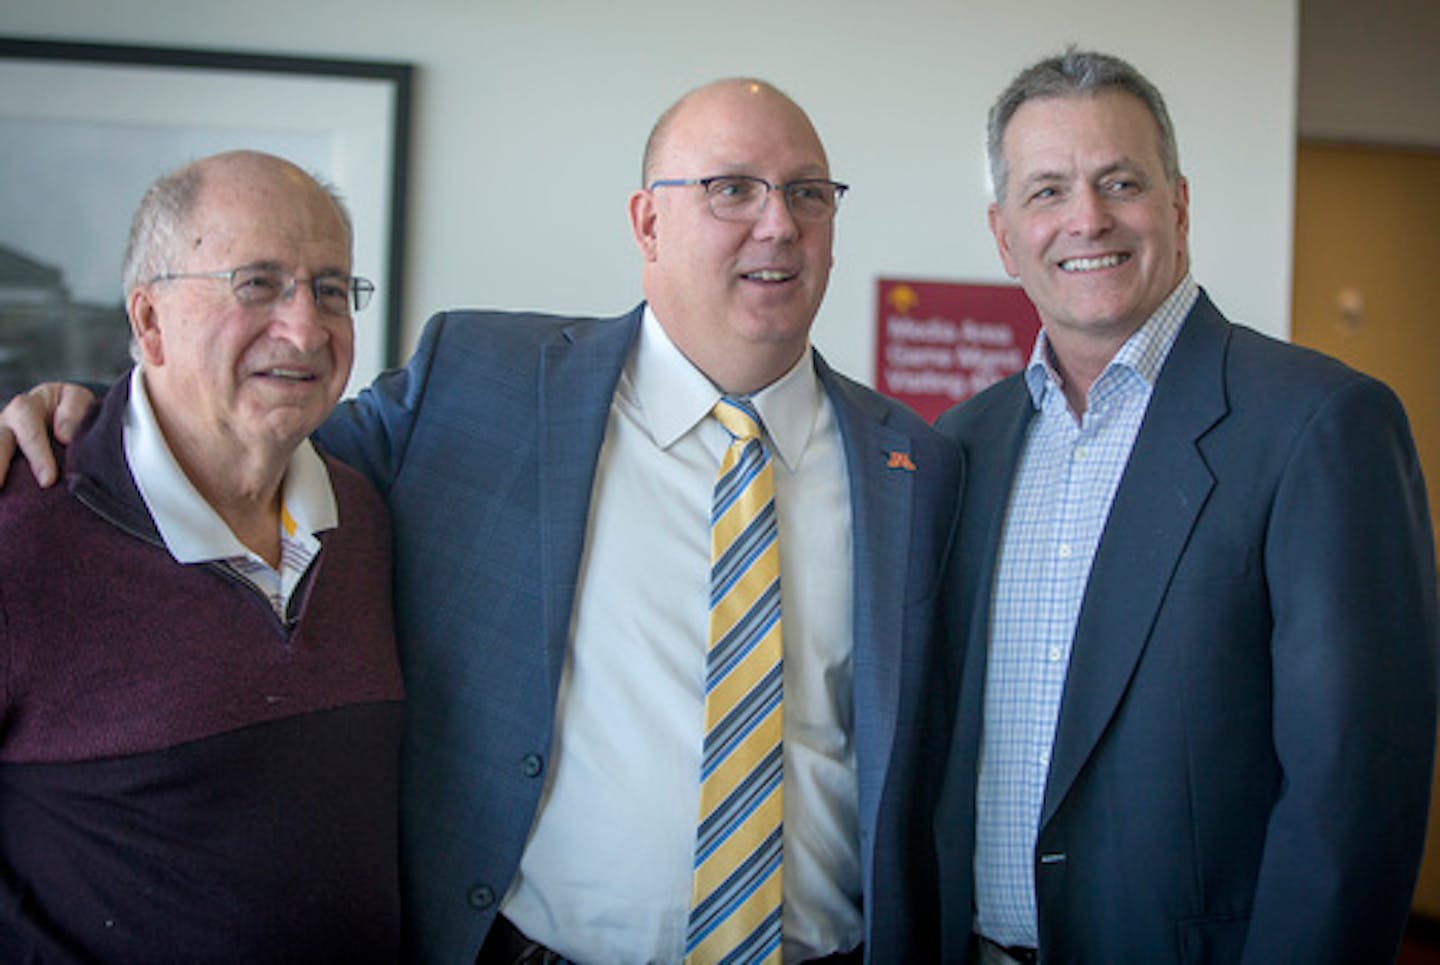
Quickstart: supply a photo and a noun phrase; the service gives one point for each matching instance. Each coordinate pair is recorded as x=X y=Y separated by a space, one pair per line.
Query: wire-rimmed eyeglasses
x=741 y=197
x=255 y=286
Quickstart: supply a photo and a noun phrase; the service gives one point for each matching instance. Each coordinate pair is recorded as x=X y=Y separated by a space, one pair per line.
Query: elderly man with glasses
x=665 y=590
x=200 y=702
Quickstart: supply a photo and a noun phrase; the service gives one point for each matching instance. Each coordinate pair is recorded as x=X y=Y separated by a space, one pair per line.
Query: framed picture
x=85 y=128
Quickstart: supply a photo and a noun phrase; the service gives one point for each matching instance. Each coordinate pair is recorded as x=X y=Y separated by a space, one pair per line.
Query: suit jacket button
x=531 y=765
x=480 y=897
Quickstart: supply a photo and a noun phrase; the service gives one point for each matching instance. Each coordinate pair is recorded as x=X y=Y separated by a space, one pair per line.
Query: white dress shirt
x=605 y=876
x=194 y=533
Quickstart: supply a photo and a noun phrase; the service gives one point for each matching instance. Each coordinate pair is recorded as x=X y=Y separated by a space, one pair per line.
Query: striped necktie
x=735 y=896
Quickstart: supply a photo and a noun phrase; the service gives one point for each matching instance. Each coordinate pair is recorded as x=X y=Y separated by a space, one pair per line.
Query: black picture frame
x=68 y=103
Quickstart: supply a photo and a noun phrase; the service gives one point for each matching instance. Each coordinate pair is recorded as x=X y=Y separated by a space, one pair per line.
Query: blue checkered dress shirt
x=1067 y=477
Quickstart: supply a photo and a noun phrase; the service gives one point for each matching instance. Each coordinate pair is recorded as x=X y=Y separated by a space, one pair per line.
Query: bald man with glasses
x=551 y=480
x=200 y=701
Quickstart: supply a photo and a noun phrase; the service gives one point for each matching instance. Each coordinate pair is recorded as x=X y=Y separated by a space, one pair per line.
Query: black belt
x=1018 y=953
x=507 y=945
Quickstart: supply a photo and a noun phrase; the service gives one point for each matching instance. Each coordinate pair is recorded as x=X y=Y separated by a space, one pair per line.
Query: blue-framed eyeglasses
x=741 y=197
x=256 y=286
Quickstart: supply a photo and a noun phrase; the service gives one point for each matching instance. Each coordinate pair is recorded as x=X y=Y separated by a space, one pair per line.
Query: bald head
x=736 y=295
x=744 y=94
x=234 y=267
x=159 y=225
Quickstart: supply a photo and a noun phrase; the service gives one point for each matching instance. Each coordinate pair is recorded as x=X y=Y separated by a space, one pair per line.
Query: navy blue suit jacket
x=1241 y=767
x=485 y=447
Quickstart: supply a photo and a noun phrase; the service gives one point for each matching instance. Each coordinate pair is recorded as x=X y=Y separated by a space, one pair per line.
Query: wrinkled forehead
x=271 y=217
x=1108 y=111
x=1085 y=130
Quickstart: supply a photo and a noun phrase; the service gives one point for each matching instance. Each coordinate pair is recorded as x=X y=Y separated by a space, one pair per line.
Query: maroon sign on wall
x=939 y=343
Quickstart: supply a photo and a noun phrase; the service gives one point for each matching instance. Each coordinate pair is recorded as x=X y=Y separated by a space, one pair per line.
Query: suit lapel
x=1165 y=484
x=880 y=500
x=993 y=459
x=579 y=368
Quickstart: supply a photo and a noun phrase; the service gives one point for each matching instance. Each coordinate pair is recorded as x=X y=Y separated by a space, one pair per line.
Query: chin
x=778 y=326
x=296 y=421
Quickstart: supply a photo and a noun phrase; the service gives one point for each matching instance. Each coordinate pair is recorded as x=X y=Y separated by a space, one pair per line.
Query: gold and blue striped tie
x=736 y=893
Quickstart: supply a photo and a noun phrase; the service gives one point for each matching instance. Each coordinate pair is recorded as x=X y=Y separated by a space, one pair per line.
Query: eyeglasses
x=740 y=197
x=256 y=287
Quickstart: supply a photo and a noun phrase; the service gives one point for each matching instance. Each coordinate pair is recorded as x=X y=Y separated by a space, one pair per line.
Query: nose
x=776 y=221
x=297 y=317
x=1088 y=212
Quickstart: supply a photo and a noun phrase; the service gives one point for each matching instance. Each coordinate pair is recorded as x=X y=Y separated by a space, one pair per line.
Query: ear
x=145 y=325
x=643 y=217
x=1002 y=239
x=1182 y=212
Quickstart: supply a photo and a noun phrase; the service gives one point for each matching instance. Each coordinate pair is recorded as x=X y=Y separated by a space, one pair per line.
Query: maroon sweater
x=183 y=775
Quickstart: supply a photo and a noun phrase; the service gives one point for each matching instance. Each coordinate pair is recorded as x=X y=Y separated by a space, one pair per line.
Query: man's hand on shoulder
x=25 y=423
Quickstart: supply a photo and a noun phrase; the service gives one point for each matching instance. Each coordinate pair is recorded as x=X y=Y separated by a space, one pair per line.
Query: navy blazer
x=485 y=447
x=1241 y=766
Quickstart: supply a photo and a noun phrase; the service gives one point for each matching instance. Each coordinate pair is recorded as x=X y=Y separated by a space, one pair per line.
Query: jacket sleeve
x=371 y=431
x=1350 y=568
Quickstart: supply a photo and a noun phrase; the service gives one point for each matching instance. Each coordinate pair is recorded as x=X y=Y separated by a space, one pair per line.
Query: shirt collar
x=676 y=396
x=1143 y=353
x=191 y=529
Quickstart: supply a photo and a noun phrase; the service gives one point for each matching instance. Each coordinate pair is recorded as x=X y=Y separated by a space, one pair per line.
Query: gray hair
x=165 y=210
x=1074 y=73
x=155 y=229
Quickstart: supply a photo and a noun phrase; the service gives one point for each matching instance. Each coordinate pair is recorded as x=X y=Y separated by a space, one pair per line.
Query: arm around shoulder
x=26 y=423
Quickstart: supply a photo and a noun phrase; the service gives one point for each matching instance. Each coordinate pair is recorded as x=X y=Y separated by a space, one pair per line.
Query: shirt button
x=480 y=897
x=1081 y=452
x=1065 y=551
x=1056 y=653
x=531 y=765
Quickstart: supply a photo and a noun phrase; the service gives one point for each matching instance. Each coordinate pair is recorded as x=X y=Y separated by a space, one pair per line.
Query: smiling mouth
x=1080 y=265
x=288 y=375
x=768 y=275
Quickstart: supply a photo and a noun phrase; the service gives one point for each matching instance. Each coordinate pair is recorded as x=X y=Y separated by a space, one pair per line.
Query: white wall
x=530 y=116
